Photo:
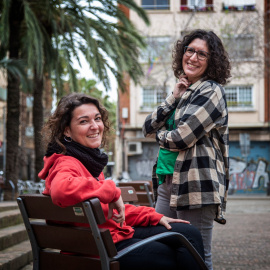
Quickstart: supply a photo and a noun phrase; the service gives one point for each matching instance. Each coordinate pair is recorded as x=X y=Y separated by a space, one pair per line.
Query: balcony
x=188 y=8
x=239 y=8
x=240 y=5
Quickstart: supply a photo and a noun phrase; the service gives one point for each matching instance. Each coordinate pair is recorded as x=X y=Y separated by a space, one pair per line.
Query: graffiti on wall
x=245 y=177
x=248 y=177
x=140 y=168
x=144 y=166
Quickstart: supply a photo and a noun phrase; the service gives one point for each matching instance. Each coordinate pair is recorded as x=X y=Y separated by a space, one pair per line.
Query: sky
x=85 y=72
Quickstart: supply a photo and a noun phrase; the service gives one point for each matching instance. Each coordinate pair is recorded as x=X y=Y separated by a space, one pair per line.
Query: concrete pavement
x=244 y=242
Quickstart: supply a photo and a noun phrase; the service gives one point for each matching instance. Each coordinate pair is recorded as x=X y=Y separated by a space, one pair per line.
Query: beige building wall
x=249 y=72
x=3 y=81
x=173 y=22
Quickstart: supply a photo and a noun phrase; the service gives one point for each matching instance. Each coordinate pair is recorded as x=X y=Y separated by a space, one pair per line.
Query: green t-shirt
x=166 y=158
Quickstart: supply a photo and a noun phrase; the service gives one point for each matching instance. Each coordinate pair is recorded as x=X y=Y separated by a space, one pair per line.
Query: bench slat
x=70 y=239
x=129 y=194
x=56 y=261
x=41 y=207
x=143 y=190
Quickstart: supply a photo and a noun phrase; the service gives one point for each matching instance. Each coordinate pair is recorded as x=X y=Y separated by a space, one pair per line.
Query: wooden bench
x=144 y=191
x=94 y=247
x=129 y=195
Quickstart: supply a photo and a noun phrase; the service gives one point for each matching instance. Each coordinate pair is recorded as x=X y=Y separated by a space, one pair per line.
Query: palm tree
x=15 y=70
x=13 y=20
x=49 y=34
x=80 y=26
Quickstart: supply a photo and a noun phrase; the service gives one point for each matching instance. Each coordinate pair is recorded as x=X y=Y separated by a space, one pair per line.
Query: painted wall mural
x=250 y=177
x=140 y=166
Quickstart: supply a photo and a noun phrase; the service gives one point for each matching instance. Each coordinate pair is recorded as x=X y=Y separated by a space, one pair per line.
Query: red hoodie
x=68 y=182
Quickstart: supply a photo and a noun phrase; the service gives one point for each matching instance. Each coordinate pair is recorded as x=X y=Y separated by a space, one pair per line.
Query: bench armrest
x=181 y=238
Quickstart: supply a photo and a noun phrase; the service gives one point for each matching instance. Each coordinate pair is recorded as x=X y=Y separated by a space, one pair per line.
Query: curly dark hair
x=54 y=128
x=219 y=67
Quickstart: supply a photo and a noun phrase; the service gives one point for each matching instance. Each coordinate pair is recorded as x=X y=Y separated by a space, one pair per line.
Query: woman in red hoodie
x=73 y=167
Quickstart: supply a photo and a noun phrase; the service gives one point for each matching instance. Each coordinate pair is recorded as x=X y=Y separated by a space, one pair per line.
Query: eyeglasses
x=202 y=55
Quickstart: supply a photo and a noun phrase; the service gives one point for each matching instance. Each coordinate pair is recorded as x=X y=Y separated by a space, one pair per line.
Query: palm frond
x=16 y=68
x=35 y=35
x=86 y=28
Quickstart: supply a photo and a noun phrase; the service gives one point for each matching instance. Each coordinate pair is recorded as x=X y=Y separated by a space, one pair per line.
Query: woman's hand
x=181 y=87
x=166 y=220
x=120 y=208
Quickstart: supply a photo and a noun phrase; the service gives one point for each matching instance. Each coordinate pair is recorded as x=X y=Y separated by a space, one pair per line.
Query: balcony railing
x=239 y=7
x=188 y=8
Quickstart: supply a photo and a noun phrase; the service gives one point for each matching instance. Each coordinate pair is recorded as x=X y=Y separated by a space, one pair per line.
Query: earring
x=67 y=139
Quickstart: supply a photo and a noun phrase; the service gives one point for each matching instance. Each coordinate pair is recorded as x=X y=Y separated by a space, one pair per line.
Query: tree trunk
x=48 y=96
x=13 y=103
x=38 y=123
x=22 y=156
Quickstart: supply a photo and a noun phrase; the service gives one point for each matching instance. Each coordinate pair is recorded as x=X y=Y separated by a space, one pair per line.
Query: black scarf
x=92 y=158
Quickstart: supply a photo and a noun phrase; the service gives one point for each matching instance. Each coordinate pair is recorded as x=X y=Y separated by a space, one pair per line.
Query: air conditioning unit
x=134 y=148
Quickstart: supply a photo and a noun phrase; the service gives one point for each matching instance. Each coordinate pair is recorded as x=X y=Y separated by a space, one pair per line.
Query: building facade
x=26 y=139
x=243 y=26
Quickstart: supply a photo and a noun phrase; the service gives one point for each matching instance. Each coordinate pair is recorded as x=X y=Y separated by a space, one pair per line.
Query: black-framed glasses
x=202 y=55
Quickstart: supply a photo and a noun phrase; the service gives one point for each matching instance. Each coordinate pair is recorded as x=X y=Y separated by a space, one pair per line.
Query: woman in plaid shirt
x=191 y=126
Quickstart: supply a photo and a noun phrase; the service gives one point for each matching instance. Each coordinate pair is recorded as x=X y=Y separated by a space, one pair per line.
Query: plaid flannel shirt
x=201 y=172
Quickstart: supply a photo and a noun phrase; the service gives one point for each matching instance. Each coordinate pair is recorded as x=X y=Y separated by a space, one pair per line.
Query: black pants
x=164 y=254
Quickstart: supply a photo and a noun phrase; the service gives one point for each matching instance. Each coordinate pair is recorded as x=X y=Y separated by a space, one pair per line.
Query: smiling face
x=193 y=67
x=86 y=126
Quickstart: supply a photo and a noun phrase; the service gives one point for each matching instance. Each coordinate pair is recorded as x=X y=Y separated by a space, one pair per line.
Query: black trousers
x=164 y=254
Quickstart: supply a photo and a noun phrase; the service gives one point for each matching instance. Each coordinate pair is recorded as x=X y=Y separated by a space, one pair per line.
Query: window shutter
x=183 y=6
x=209 y=4
x=183 y=2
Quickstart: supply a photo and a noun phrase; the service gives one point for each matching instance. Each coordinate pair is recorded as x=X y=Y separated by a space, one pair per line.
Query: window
x=157 y=48
x=239 y=97
x=240 y=47
x=198 y=5
x=152 y=96
x=156 y=4
x=239 y=5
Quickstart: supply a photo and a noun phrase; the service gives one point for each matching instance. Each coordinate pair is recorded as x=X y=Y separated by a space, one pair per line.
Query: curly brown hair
x=54 y=128
x=219 y=67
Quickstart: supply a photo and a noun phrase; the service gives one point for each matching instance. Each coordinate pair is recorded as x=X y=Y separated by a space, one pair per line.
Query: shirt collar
x=196 y=84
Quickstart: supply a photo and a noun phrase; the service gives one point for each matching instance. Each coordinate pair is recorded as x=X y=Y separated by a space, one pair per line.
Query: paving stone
x=244 y=242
